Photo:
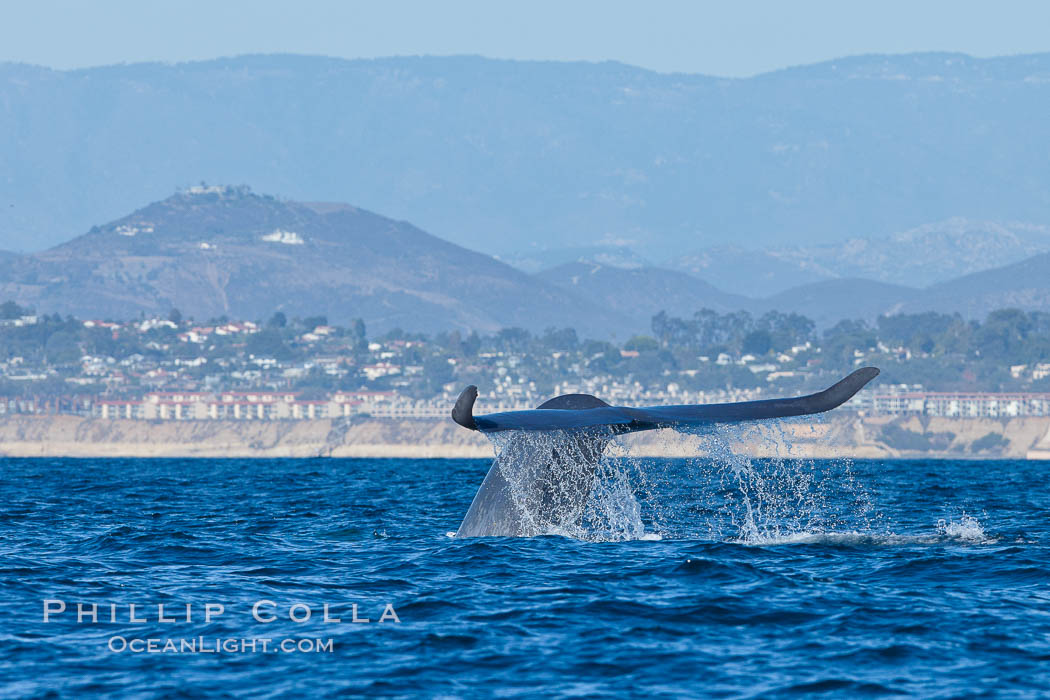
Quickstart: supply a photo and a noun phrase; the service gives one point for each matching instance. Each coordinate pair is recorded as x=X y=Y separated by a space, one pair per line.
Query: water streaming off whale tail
x=593 y=485
x=563 y=482
x=781 y=497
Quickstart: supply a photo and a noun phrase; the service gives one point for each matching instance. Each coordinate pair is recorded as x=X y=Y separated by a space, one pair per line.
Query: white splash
x=739 y=499
x=721 y=494
x=779 y=499
x=966 y=529
x=553 y=502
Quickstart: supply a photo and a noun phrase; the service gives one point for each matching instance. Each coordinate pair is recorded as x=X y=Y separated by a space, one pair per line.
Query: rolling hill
x=829 y=301
x=642 y=292
x=225 y=251
x=213 y=251
x=1022 y=285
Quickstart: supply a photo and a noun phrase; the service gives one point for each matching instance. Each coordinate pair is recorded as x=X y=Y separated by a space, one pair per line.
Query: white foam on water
x=832 y=538
x=966 y=529
x=854 y=539
x=840 y=539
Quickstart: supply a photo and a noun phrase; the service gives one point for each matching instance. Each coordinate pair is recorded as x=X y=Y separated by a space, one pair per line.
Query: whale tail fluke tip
x=463 y=411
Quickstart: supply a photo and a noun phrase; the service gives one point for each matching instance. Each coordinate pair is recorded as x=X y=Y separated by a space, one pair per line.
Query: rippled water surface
x=687 y=578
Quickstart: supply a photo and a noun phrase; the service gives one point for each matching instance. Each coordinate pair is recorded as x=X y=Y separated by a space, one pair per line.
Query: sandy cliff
x=837 y=436
x=73 y=436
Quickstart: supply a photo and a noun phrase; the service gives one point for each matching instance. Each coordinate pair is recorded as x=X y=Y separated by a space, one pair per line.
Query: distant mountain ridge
x=225 y=251
x=638 y=293
x=498 y=155
x=1023 y=285
x=536 y=261
x=919 y=257
x=829 y=301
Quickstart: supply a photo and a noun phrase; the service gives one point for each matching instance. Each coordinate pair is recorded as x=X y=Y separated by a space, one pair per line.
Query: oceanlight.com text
x=220 y=645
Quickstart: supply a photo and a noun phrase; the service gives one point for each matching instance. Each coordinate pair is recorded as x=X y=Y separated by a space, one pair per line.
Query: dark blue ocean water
x=775 y=579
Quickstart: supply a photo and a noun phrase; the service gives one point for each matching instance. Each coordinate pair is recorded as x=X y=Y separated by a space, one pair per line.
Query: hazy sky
x=737 y=38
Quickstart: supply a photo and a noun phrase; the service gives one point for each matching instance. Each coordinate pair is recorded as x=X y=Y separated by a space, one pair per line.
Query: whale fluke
x=585 y=411
x=536 y=484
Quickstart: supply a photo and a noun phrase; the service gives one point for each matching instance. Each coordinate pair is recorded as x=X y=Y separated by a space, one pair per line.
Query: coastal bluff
x=844 y=435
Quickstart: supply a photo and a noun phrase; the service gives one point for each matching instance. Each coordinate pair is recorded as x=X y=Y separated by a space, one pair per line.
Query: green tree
x=513 y=339
x=1003 y=335
x=268 y=343
x=642 y=343
x=556 y=340
x=471 y=345
x=437 y=372
x=757 y=342
x=10 y=310
x=62 y=348
x=359 y=336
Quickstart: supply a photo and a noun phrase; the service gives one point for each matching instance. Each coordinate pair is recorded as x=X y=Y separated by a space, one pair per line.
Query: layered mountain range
x=500 y=155
x=215 y=251
x=921 y=256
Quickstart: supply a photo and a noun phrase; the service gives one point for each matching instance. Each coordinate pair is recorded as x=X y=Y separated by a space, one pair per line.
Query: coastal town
x=171 y=368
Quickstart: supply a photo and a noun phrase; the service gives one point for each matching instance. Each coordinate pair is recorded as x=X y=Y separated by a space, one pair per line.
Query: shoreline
x=837 y=436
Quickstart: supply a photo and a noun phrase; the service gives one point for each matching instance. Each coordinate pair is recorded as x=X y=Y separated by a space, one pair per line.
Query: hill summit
x=218 y=250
